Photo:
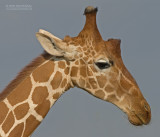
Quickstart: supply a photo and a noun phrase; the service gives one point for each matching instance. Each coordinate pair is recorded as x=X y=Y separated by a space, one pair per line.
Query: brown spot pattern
x=74 y=81
x=86 y=53
x=43 y=108
x=84 y=48
x=86 y=59
x=21 y=93
x=93 y=68
x=83 y=71
x=3 y=111
x=93 y=53
x=119 y=92
x=113 y=78
x=82 y=62
x=25 y=72
x=56 y=95
x=31 y=124
x=21 y=110
x=39 y=95
x=74 y=71
x=112 y=98
x=8 y=123
x=81 y=82
x=134 y=92
x=101 y=81
x=43 y=73
x=17 y=131
x=68 y=86
x=68 y=63
x=56 y=80
x=88 y=86
x=109 y=88
x=81 y=55
x=125 y=84
x=90 y=62
x=61 y=64
x=64 y=82
x=93 y=83
x=66 y=71
x=77 y=62
x=89 y=72
x=99 y=94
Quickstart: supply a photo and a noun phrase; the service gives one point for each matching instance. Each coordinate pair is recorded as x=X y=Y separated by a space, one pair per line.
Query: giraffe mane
x=26 y=71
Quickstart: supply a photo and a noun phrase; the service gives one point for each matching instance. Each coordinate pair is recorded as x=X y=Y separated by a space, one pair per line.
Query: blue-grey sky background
x=77 y=113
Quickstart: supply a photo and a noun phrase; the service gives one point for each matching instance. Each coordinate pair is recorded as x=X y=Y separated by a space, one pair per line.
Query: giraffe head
x=97 y=67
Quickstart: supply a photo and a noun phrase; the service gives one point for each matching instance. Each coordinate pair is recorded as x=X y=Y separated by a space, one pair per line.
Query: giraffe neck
x=26 y=105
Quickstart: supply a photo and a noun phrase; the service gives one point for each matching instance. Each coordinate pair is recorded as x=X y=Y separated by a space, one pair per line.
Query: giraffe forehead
x=94 y=51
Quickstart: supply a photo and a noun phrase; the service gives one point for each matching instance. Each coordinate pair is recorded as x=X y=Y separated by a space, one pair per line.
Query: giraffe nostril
x=147 y=112
x=146 y=107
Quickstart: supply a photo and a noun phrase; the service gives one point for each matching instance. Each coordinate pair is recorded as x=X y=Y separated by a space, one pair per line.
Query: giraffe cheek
x=109 y=88
x=134 y=92
x=125 y=84
x=83 y=71
x=102 y=80
x=93 y=83
x=89 y=72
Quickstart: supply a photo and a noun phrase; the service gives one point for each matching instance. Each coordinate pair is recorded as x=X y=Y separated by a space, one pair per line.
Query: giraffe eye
x=102 y=65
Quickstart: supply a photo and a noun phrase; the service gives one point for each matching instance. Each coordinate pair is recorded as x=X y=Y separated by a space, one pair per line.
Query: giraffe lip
x=136 y=119
x=139 y=117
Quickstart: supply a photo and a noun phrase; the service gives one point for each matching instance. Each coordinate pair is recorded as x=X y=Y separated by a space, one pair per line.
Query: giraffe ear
x=53 y=45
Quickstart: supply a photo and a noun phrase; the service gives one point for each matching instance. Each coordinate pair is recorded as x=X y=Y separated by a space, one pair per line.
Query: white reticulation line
x=30 y=102
x=24 y=128
x=8 y=104
x=2 y=132
x=9 y=107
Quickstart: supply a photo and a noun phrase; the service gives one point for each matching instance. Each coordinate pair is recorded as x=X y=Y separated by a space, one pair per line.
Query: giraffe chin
x=137 y=120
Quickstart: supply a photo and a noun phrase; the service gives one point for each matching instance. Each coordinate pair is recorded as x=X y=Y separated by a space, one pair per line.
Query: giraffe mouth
x=137 y=119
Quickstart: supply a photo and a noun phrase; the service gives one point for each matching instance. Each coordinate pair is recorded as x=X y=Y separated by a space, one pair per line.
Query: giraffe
x=85 y=61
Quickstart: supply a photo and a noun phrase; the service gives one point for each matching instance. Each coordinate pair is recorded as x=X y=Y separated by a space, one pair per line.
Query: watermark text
x=18 y=7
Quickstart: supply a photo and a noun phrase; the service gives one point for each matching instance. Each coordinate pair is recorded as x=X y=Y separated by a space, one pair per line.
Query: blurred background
x=77 y=113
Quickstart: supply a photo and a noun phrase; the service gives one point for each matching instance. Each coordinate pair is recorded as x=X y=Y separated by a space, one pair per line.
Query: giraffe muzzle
x=141 y=117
